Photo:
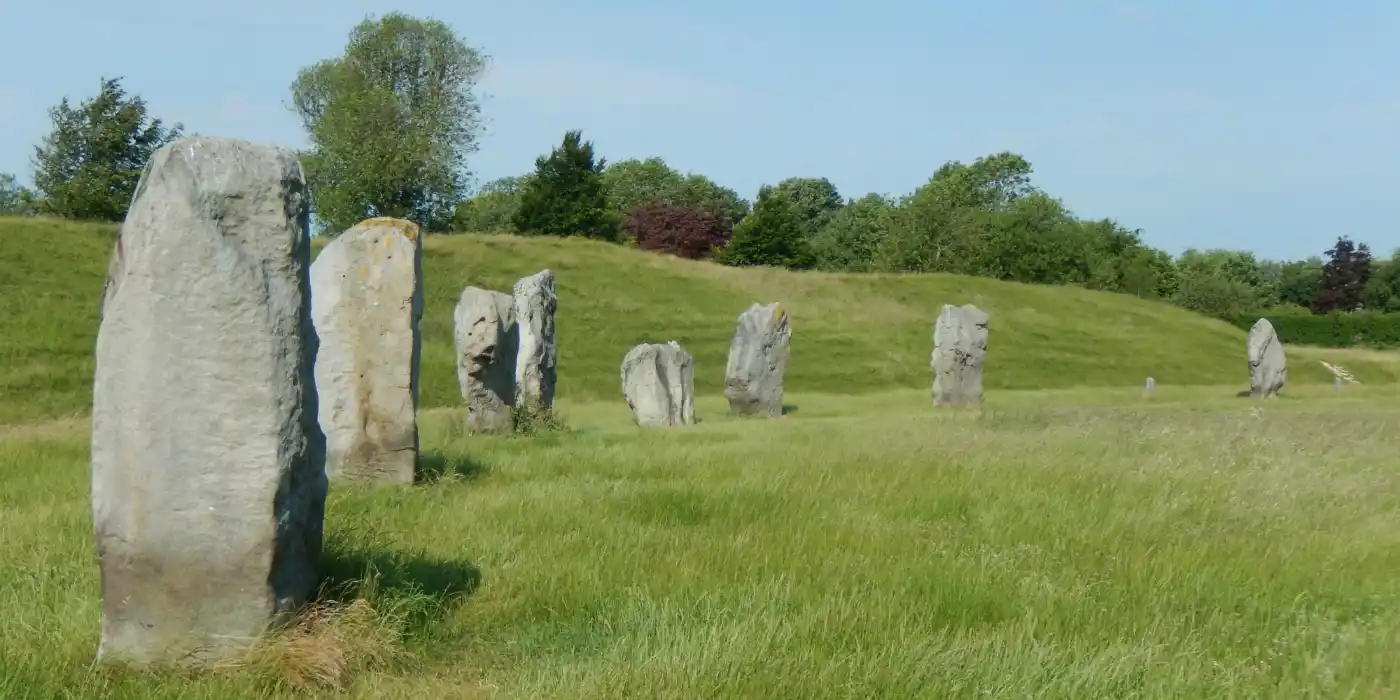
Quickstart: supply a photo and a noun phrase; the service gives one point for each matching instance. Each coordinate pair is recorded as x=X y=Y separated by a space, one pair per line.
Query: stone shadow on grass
x=789 y=409
x=434 y=585
x=433 y=466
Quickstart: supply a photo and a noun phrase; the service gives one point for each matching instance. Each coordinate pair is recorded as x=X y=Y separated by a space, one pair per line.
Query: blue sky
x=1268 y=126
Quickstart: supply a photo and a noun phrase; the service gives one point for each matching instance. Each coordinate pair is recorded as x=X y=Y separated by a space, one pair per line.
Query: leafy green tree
x=88 y=166
x=632 y=183
x=1344 y=277
x=491 y=209
x=771 y=235
x=1211 y=292
x=852 y=239
x=15 y=199
x=1383 y=289
x=391 y=123
x=814 y=199
x=1296 y=283
x=566 y=196
x=949 y=223
x=1247 y=282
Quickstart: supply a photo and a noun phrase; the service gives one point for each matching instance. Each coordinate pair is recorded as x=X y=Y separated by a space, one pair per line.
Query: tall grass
x=1054 y=544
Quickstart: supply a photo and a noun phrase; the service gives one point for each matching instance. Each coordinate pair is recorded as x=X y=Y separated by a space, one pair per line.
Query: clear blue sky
x=1269 y=126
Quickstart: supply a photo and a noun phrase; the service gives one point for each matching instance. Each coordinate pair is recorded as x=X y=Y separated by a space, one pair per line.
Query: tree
x=1383 y=290
x=1296 y=283
x=1212 y=293
x=770 y=235
x=391 y=123
x=687 y=232
x=949 y=223
x=88 y=166
x=852 y=239
x=15 y=199
x=814 y=200
x=566 y=196
x=632 y=183
x=1344 y=277
x=490 y=210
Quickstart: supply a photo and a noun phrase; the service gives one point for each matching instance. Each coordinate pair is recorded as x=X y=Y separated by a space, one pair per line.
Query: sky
x=1270 y=126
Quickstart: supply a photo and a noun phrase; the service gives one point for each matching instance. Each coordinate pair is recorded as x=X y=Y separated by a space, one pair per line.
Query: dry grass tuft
x=327 y=646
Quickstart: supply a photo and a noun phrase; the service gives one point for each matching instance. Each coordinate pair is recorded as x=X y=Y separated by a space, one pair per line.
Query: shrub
x=1334 y=330
x=687 y=232
x=565 y=195
x=770 y=235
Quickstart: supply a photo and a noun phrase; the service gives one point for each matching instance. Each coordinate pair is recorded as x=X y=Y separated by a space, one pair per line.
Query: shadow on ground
x=433 y=466
x=438 y=584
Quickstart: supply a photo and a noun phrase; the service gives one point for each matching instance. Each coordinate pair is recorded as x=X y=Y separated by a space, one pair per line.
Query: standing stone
x=959 y=347
x=1150 y=387
x=208 y=467
x=535 y=304
x=758 y=355
x=486 y=338
x=367 y=299
x=1268 y=369
x=659 y=384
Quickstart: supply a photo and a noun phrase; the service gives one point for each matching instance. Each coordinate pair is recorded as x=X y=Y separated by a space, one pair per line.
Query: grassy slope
x=1076 y=543
x=852 y=334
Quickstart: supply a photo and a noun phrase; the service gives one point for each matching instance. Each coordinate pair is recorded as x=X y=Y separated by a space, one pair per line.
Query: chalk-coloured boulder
x=208 y=467
x=658 y=381
x=1268 y=368
x=486 y=338
x=535 y=304
x=758 y=355
x=959 y=347
x=367 y=299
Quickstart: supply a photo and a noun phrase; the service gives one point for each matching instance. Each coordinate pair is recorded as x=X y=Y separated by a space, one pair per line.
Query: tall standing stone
x=959 y=347
x=758 y=355
x=208 y=467
x=1268 y=368
x=535 y=304
x=658 y=381
x=486 y=339
x=367 y=301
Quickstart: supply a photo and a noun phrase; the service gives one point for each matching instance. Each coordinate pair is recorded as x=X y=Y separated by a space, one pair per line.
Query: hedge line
x=1334 y=330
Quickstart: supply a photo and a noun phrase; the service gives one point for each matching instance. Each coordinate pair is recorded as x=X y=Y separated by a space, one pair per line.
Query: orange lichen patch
x=404 y=226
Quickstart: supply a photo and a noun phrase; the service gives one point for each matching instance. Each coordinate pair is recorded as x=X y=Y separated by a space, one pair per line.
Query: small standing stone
x=1150 y=387
x=208 y=466
x=535 y=304
x=486 y=338
x=659 y=384
x=367 y=302
x=758 y=355
x=959 y=347
x=1268 y=368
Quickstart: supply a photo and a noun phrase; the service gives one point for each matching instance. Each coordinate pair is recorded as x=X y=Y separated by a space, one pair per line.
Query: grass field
x=1070 y=539
x=1071 y=544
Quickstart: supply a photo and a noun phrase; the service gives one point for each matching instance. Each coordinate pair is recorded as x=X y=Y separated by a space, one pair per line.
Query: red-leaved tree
x=686 y=232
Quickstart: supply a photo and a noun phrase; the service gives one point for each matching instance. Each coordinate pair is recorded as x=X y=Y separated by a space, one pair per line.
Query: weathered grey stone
x=758 y=355
x=535 y=304
x=367 y=299
x=208 y=467
x=1150 y=387
x=658 y=381
x=1268 y=368
x=486 y=339
x=959 y=346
